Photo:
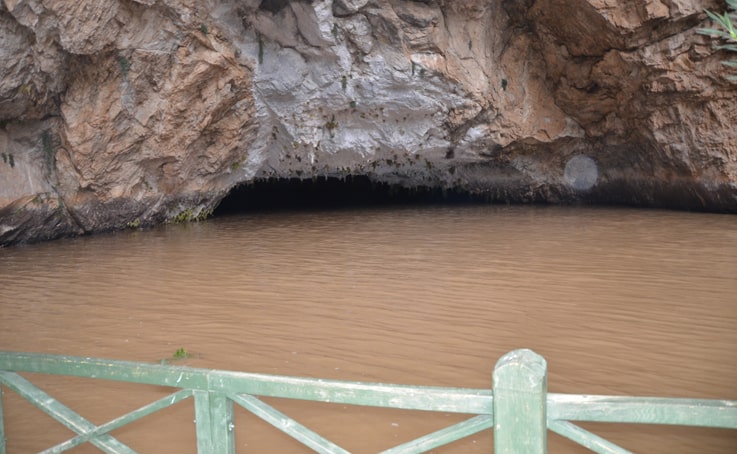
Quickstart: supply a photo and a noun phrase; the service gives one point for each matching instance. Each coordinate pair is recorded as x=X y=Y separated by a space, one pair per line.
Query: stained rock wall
x=121 y=113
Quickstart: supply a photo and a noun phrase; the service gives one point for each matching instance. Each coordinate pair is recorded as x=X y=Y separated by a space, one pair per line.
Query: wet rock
x=347 y=7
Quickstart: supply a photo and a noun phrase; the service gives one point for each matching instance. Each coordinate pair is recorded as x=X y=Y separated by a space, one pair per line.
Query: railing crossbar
x=120 y=421
x=61 y=412
x=585 y=438
x=445 y=436
x=287 y=425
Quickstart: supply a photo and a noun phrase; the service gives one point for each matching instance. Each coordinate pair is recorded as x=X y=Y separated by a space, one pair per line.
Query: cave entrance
x=331 y=193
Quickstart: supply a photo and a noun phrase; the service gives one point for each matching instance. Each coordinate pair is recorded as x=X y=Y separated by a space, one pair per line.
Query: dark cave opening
x=275 y=6
x=332 y=193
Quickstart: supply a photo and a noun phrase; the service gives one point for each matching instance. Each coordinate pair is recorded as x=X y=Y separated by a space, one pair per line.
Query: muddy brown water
x=619 y=302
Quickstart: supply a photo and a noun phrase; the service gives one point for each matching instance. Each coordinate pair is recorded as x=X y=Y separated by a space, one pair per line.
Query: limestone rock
x=347 y=7
x=122 y=113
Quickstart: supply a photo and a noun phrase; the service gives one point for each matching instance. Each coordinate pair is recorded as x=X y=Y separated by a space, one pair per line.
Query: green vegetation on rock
x=189 y=215
x=726 y=33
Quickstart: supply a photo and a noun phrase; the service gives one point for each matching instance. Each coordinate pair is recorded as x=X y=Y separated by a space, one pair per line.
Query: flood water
x=618 y=301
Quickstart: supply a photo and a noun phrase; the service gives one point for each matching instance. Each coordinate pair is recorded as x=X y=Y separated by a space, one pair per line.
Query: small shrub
x=181 y=353
x=727 y=32
x=203 y=29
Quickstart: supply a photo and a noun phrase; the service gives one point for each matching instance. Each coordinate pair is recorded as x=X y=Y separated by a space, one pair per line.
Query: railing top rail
x=430 y=398
x=644 y=410
x=625 y=409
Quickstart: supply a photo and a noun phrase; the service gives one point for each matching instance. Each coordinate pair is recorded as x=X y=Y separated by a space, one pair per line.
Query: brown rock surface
x=118 y=113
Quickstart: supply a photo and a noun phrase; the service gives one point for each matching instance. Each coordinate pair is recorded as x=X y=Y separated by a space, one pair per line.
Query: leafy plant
x=180 y=354
x=727 y=32
x=203 y=29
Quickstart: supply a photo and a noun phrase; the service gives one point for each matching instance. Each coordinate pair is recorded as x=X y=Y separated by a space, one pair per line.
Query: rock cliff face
x=117 y=113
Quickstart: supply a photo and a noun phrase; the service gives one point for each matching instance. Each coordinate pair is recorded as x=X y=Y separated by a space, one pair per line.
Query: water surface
x=623 y=302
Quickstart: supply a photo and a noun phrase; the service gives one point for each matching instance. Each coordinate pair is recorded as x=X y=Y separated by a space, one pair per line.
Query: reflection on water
x=621 y=302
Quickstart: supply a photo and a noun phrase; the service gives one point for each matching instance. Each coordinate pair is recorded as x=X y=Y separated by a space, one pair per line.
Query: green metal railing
x=518 y=407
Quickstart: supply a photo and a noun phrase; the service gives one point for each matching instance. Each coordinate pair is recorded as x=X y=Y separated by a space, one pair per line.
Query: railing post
x=214 y=419
x=2 y=423
x=520 y=401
